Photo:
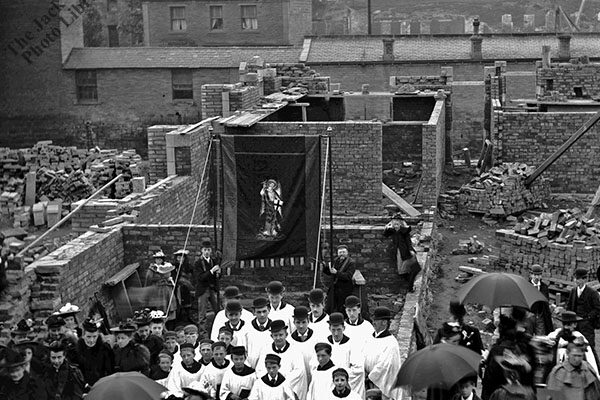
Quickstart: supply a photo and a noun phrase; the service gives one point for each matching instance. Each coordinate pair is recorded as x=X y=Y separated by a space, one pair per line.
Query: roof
x=176 y=57
x=347 y=49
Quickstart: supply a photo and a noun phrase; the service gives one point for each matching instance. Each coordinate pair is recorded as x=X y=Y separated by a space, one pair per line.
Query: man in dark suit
x=206 y=274
x=542 y=316
x=585 y=302
x=342 y=286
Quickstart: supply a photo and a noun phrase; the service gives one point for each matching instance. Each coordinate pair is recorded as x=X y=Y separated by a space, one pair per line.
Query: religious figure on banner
x=271 y=210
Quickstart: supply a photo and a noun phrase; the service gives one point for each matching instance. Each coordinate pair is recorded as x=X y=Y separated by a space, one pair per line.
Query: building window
x=113 y=36
x=87 y=87
x=178 y=19
x=249 y=19
x=183 y=87
x=216 y=18
x=549 y=84
x=112 y=6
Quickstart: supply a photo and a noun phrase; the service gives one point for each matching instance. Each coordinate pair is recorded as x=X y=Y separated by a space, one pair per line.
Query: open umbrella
x=126 y=386
x=499 y=289
x=438 y=365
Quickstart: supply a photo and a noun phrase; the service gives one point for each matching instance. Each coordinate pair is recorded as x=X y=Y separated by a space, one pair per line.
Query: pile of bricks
x=469 y=246
x=67 y=186
x=500 y=192
x=105 y=168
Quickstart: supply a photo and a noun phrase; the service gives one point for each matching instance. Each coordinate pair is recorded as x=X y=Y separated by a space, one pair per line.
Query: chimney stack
x=388 y=49
x=476 y=40
x=564 y=46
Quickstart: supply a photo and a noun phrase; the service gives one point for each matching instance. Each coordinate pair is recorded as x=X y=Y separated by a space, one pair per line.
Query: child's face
x=225 y=337
x=272 y=369
x=301 y=325
x=238 y=361
x=206 y=352
x=340 y=382
x=171 y=343
x=156 y=329
x=165 y=364
x=322 y=357
x=466 y=389
x=187 y=356
x=219 y=354
x=191 y=338
x=180 y=337
x=234 y=317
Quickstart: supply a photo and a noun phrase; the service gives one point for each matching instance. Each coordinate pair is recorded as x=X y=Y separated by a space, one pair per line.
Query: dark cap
x=23 y=327
x=273 y=358
x=233 y=306
x=569 y=317
x=206 y=243
x=323 y=346
x=536 y=269
x=91 y=325
x=187 y=346
x=218 y=344
x=206 y=342
x=12 y=359
x=275 y=287
x=190 y=329
x=170 y=334
x=341 y=247
x=165 y=353
x=352 y=301
x=226 y=329
x=300 y=313
x=316 y=296
x=581 y=273
x=382 y=313
x=339 y=371
x=336 y=318
x=278 y=325
x=55 y=321
x=238 y=351
x=232 y=292
x=260 y=302
x=450 y=329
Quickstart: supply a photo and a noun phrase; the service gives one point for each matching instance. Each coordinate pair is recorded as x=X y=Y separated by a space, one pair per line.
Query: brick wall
x=157 y=151
x=239 y=98
x=566 y=76
x=356 y=150
x=433 y=154
x=401 y=142
x=532 y=137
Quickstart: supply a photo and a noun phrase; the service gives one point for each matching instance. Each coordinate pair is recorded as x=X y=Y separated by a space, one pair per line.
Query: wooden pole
x=321 y=218
x=594 y=203
x=68 y=216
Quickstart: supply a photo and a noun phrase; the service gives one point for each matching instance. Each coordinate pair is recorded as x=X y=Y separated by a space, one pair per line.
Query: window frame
x=211 y=17
x=182 y=20
x=253 y=26
x=86 y=90
x=177 y=93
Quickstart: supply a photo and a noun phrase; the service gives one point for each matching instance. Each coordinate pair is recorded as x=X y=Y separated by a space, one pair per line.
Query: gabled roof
x=348 y=49
x=176 y=57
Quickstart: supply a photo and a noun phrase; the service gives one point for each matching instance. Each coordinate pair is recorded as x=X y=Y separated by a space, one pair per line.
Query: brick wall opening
x=412 y=108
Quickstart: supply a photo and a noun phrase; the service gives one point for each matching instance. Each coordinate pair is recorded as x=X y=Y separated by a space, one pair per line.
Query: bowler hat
x=233 y=306
x=536 y=269
x=352 y=301
x=336 y=318
x=260 y=302
x=569 y=317
x=581 y=273
x=12 y=359
x=206 y=243
x=278 y=325
x=381 y=313
x=300 y=313
x=275 y=287
x=232 y=292
x=55 y=321
x=238 y=351
x=316 y=296
x=322 y=346
x=272 y=358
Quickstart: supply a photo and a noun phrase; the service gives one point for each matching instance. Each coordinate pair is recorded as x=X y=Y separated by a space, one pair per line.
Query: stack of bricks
x=243 y=98
x=499 y=192
x=9 y=202
x=405 y=84
x=104 y=169
x=517 y=253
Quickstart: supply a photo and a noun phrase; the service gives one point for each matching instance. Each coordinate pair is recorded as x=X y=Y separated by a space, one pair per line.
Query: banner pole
x=321 y=214
x=330 y=201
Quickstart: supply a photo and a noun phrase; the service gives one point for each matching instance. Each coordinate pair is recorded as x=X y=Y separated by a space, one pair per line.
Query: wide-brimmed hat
x=55 y=321
x=67 y=310
x=165 y=268
x=157 y=316
x=91 y=325
x=23 y=327
x=197 y=389
x=124 y=327
x=569 y=317
x=142 y=317
x=12 y=359
x=181 y=252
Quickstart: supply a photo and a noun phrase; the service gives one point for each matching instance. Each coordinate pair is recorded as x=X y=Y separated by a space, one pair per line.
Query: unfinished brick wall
x=562 y=78
x=433 y=154
x=401 y=142
x=237 y=96
x=356 y=151
x=532 y=137
x=157 y=151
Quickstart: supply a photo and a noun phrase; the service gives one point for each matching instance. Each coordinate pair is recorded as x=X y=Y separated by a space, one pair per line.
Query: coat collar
x=343 y=341
x=256 y=325
x=383 y=334
x=359 y=321
x=296 y=335
x=225 y=365
x=245 y=372
x=326 y=366
x=267 y=380
x=239 y=326
x=192 y=369
x=314 y=321
x=345 y=393
x=278 y=351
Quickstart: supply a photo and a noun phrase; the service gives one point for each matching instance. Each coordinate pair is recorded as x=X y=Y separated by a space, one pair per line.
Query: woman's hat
x=55 y=321
x=23 y=327
x=12 y=359
x=91 y=325
x=67 y=310
x=165 y=268
x=181 y=252
x=124 y=327
x=158 y=254
x=157 y=316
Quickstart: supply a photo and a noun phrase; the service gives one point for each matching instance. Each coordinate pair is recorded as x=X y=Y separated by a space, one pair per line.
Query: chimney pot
x=388 y=49
x=476 y=41
x=476 y=26
x=564 y=46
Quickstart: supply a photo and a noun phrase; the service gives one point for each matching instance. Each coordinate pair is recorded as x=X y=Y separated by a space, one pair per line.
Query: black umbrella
x=500 y=289
x=438 y=365
x=126 y=386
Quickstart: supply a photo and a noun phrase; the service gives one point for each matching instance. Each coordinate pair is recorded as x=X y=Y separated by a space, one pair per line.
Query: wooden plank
x=594 y=203
x=122 y=274
x=562 y=149
x=399 y=201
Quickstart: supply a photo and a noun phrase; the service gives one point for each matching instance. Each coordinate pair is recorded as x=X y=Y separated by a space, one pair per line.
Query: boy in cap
x=191 y=337
x=184 y=372
x=258 y=335
x=382 y=360
x=542 y=316
x=303 y=338
x=273 y=385
x=342 y=286
x=585 y=302
x=357 y=328
x=171 y=342
x=239 y=379
x=206 y=351
x=205 y=276
x=341 y=389
x=279 y=309
x=346 y=353
x=320 y=374
x=160 y=372
x=292 y=362
x=226 y=336
x=317 y=318
x=230 y=293
x=213 y=374
x=233 y=311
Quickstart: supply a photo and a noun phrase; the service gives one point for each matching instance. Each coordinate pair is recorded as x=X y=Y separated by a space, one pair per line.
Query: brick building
x=234 y=23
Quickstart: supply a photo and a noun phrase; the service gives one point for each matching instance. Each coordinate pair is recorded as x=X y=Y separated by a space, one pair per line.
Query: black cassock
x=342 y=285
